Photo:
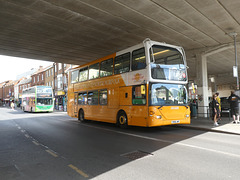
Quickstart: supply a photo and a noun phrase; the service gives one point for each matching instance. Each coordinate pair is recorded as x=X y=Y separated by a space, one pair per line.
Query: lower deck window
x=103 y=97
x=93 y=98
x=82 y=98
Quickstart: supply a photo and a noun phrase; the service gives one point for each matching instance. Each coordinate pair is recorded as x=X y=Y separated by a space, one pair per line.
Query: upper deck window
x=122 y=63
x=94 y=71
x=83 y=75
x=167 y=64
x=74 y=76
x=138 y=59
x=106 y=68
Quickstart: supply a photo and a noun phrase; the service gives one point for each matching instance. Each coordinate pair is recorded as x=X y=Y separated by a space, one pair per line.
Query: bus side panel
x=125 y=101
x=125 y=96
x=113 y=98
x=100 y=113
x=139 y=115
x=70 y=104
x=105 y=113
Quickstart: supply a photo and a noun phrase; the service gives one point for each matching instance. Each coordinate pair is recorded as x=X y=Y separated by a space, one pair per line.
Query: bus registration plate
x=175 y=122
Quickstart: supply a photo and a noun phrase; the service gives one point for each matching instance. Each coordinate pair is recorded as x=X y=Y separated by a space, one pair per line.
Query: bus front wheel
x=122 y=120
x=81 y=116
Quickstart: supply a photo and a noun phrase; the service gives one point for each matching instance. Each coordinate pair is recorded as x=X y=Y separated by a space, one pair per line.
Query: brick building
x=23 y=84
x=60 y=85
x=38 y=78
x=7 y=92
x=49 y=76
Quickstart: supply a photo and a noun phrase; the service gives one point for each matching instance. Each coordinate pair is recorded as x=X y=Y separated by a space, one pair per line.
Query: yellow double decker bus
x=144 y=85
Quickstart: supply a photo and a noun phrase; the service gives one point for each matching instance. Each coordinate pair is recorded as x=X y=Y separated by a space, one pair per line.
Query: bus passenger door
x=75 y=107
x=139 y=108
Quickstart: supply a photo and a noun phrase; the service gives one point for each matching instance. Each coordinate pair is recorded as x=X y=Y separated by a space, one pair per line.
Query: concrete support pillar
x=202 y=84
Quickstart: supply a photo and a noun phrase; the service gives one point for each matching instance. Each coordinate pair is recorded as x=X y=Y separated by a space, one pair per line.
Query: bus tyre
x=122 y=120
x=81 y=116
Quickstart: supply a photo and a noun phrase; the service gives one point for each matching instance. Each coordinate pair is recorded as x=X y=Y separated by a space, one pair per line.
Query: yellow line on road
x=52 y=153
x=78 y=170
x=36 y=143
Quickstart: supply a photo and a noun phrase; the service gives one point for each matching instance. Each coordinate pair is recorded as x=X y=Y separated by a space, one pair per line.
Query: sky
x=10 y=67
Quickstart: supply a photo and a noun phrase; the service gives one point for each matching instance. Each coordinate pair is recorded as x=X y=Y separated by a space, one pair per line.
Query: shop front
x=60 y=101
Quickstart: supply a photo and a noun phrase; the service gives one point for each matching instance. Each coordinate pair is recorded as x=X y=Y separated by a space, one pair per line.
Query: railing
x=206 y=111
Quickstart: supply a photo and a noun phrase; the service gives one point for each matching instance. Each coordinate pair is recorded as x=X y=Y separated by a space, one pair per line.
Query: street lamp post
x=234 y=35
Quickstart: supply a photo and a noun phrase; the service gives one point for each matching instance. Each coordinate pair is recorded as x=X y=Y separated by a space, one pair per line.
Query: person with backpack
x=234 y=106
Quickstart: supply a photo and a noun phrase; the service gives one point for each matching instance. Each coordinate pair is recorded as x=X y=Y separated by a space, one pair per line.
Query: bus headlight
x=151 y=113
x=159 y=117
x=187 y=115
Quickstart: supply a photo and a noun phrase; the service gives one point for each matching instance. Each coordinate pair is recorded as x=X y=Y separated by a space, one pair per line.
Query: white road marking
x=166 y=141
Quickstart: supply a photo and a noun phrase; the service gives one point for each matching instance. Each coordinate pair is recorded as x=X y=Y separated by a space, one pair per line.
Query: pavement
x=206 y=124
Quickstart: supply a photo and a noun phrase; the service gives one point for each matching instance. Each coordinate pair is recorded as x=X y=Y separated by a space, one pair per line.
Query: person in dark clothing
x=215 y=109
x=234 y=106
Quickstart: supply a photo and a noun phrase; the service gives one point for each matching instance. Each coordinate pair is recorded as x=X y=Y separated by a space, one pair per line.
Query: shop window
x=139 y=95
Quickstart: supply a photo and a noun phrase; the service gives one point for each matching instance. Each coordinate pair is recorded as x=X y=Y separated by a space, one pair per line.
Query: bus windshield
x=167 y=64
x=168 y=94
x=44 y=101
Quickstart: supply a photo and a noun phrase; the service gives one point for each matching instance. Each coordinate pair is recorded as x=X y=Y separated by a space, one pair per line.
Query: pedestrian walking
x=215 y=110
x=219 y=102
x=234 y=106
x=12 y=105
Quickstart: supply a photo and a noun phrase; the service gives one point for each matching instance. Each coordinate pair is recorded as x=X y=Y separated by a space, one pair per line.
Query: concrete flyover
x=78 y=31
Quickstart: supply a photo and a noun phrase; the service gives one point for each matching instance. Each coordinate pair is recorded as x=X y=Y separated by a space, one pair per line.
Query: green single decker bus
x=37 y=99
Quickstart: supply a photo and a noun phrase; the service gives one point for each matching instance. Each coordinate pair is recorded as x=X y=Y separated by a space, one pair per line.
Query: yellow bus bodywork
x=138 y=115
